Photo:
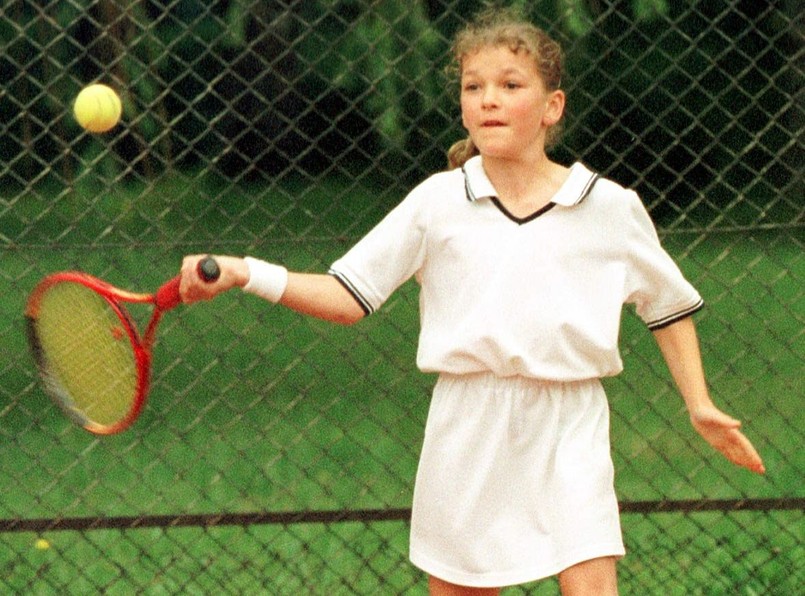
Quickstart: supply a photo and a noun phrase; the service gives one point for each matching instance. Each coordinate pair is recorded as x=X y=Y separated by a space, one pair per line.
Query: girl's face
x=505 y=106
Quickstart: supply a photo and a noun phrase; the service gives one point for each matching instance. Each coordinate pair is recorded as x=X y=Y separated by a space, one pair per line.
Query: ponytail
x=460 y=152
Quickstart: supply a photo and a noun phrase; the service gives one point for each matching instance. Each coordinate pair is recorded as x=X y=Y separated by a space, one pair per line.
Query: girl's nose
x=489 y=97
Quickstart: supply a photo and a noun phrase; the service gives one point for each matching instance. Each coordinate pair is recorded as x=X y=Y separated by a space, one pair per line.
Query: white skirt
x=515 y=481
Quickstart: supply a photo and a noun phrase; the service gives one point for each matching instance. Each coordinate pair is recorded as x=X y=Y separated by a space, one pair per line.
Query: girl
x=524 y=265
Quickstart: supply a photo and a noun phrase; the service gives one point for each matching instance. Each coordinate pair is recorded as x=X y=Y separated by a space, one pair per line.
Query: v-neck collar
x=573 y=191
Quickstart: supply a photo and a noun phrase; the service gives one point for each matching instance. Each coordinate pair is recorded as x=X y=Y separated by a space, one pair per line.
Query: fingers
x=192 y=287
x=739 y=450
x=721 y=431
x=233 y=271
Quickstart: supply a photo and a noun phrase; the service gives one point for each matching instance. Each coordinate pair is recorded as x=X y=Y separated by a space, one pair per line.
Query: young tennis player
x=524 y=266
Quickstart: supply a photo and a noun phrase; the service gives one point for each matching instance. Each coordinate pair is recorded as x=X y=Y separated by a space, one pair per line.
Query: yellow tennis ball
x=41 y=544
x=97 y=108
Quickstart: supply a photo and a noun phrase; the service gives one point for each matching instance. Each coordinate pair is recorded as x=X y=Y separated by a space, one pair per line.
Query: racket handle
x=168 y=296
x=208 y=269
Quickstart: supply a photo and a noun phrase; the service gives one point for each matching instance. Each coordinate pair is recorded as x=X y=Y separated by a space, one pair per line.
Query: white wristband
x=266 y=280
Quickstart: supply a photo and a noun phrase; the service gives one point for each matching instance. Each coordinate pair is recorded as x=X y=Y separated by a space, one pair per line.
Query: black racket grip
x=208 y=269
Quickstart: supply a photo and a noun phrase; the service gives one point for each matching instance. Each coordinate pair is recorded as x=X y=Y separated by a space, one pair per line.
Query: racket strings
x=86 y=355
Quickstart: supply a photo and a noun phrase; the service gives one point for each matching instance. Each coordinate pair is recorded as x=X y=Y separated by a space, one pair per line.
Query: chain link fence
x=277 y=454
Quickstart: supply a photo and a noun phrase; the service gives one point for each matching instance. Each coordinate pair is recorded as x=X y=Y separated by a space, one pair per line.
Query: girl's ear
x=554 y=108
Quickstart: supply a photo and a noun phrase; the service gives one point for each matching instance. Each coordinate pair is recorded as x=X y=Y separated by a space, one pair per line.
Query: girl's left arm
x=679 y=345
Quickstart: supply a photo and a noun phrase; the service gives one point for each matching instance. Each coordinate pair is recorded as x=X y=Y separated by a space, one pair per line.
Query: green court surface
x=255 y=409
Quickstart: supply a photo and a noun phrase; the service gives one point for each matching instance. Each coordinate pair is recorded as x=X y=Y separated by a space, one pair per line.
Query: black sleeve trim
x=362 y=302
x=588 y=188
x=671 y=319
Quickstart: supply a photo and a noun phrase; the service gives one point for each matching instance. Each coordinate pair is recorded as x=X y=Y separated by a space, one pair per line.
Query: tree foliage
x=255 y=86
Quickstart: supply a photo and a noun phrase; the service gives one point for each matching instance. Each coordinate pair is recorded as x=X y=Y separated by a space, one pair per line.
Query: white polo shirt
x=539 y=296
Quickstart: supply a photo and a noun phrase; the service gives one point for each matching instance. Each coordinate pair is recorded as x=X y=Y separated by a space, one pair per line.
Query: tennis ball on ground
x=41 y=544
x=97 y=108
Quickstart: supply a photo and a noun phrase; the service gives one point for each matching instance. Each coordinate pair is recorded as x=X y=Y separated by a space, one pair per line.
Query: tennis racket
x=91 y=358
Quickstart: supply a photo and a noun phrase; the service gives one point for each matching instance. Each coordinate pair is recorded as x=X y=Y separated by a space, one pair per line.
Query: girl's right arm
x=317 y=295
x=322 y=296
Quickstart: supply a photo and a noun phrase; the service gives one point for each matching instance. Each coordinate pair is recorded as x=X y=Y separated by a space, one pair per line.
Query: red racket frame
x=164 y=299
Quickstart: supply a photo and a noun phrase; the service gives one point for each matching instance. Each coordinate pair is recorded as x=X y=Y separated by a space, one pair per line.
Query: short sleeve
x=655 y=284
x=387 y=256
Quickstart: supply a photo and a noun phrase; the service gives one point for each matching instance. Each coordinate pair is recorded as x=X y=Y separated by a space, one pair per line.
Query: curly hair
x=508 y=28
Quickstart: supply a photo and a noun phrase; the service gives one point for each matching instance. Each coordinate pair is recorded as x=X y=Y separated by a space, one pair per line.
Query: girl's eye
x=470 y=87
x=512 y=85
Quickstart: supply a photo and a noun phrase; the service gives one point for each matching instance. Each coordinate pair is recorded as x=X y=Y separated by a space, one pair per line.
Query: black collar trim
x=521 y=220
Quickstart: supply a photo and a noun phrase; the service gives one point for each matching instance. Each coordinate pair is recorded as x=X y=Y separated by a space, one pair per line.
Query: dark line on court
x=202 y=520
x=211 y=520
x=725 y=505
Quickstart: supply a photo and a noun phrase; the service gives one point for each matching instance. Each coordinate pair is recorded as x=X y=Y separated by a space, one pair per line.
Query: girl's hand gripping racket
x=90 y=356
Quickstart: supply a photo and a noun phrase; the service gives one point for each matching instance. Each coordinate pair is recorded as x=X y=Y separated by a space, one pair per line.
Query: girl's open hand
x=722 y=432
